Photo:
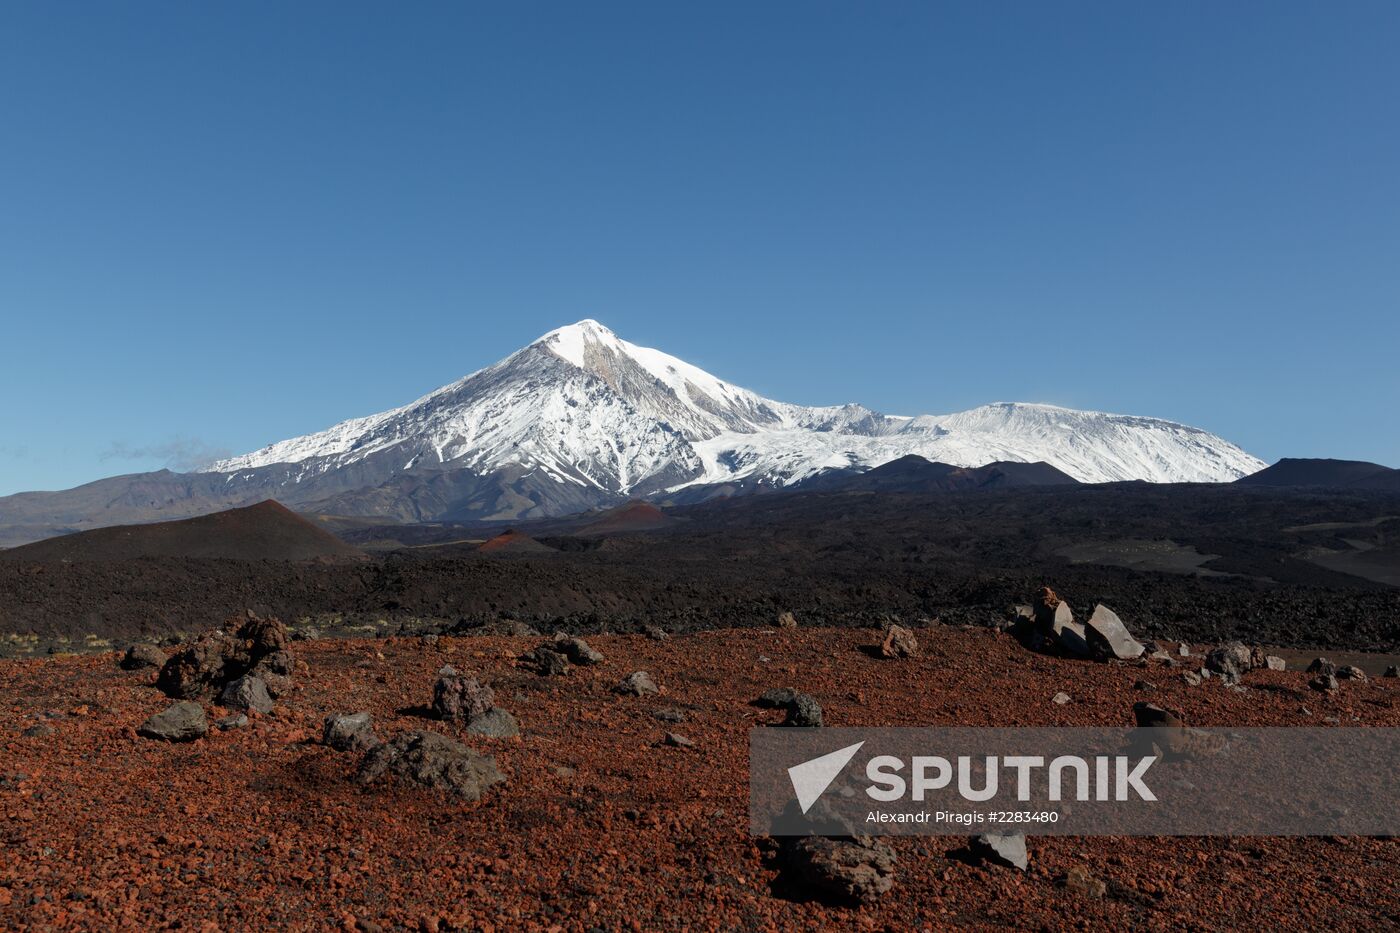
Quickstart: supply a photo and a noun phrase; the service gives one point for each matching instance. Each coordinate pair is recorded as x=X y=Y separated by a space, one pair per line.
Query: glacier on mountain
x=582 y=407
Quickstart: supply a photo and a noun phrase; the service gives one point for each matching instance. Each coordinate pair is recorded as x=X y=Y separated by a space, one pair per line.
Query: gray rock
x=248 y=693
x=676 y=740
x=495 y=723
x=1007 y=849
x=1060 y=699
x=857 y=869
x=776 y=698
x=577 y=650
x=181 y=722
x=637 y=683
x=787 y=620
x=1068 y=634
x=349 y=732
x=669 y=714
x=460 y=698
x=433 y=761
x=1351 y=672
x=1108 y=637
x=1191 y=678
x=1184 y=650
x=1235 y=659
x=1321 y=666
x=656 y=633
x=1324 y=683
x=1275 y=663
x=139 y=657
x=803 y=712
x=38 y=732
x=1392 y=671
x=231 y=722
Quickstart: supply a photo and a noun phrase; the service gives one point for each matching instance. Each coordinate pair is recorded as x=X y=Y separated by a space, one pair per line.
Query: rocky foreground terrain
x=547 y=784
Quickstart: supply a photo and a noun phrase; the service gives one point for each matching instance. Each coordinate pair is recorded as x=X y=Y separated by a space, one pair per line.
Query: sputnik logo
x=811 y=778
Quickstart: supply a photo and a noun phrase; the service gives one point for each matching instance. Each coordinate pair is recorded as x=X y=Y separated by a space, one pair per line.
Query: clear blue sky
x=226 y=224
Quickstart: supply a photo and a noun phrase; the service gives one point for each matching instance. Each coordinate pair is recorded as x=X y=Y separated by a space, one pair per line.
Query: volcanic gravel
x=599 y=827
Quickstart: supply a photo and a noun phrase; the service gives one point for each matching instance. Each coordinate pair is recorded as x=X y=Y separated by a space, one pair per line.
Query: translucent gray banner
x=1168 y=781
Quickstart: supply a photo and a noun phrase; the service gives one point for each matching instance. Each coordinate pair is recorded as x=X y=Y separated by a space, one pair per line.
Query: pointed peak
x=568 y=342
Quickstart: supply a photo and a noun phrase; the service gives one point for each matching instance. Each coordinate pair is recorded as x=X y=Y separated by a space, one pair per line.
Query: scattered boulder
x=669 y=714
x=1079 y=880
x=245 y=645
x=431 y=760
x=1392 y=671
x=637 y=683
x=1108 y=637
x=1321 y=666
x=1192 y=678
x=803 y=712
x=460 y=698
x=776 y=698
x=1055 y=624
x=204 y=666
x=1324 y=683
x=349 y=732
x=544 y=661
x=495 y=723
x=899 y=643
x=787 y=620
x=1275 y=663
x=181 y=722
x=38 y=732
x=1232 y=660
x=1184 y=650
x=1351 y=672
x=1007 y=849
x=247 y=693
x=139 y=657
x=231 y=722
x=1060 y=699
x=1151 y=716
x=656 y=633
x=848 y=869
x=676 y=740
x=577 y=650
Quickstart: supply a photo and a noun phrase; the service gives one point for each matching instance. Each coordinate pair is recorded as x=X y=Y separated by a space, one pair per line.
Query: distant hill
x=513 y=542
x=916 y=474
x=1297 y=471
x=266 y=531
x=634 y=516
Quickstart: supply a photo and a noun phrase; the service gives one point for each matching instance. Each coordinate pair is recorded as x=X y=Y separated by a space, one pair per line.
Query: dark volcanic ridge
x=266 y=531
x=918 y=474
x=1277 y=566
x=1352 y=474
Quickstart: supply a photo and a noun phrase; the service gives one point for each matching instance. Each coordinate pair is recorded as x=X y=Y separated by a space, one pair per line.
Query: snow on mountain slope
x=582 y=406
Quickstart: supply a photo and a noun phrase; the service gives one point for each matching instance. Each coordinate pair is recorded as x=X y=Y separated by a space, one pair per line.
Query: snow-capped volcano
x=584 y=410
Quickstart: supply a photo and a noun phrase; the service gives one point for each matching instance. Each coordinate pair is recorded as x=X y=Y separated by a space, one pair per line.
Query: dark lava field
x=1276 y=566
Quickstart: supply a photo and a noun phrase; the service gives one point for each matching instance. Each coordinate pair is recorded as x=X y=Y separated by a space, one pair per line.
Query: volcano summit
x=581 y=418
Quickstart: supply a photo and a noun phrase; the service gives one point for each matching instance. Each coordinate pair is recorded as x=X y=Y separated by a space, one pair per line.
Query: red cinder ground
x=598 y=828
